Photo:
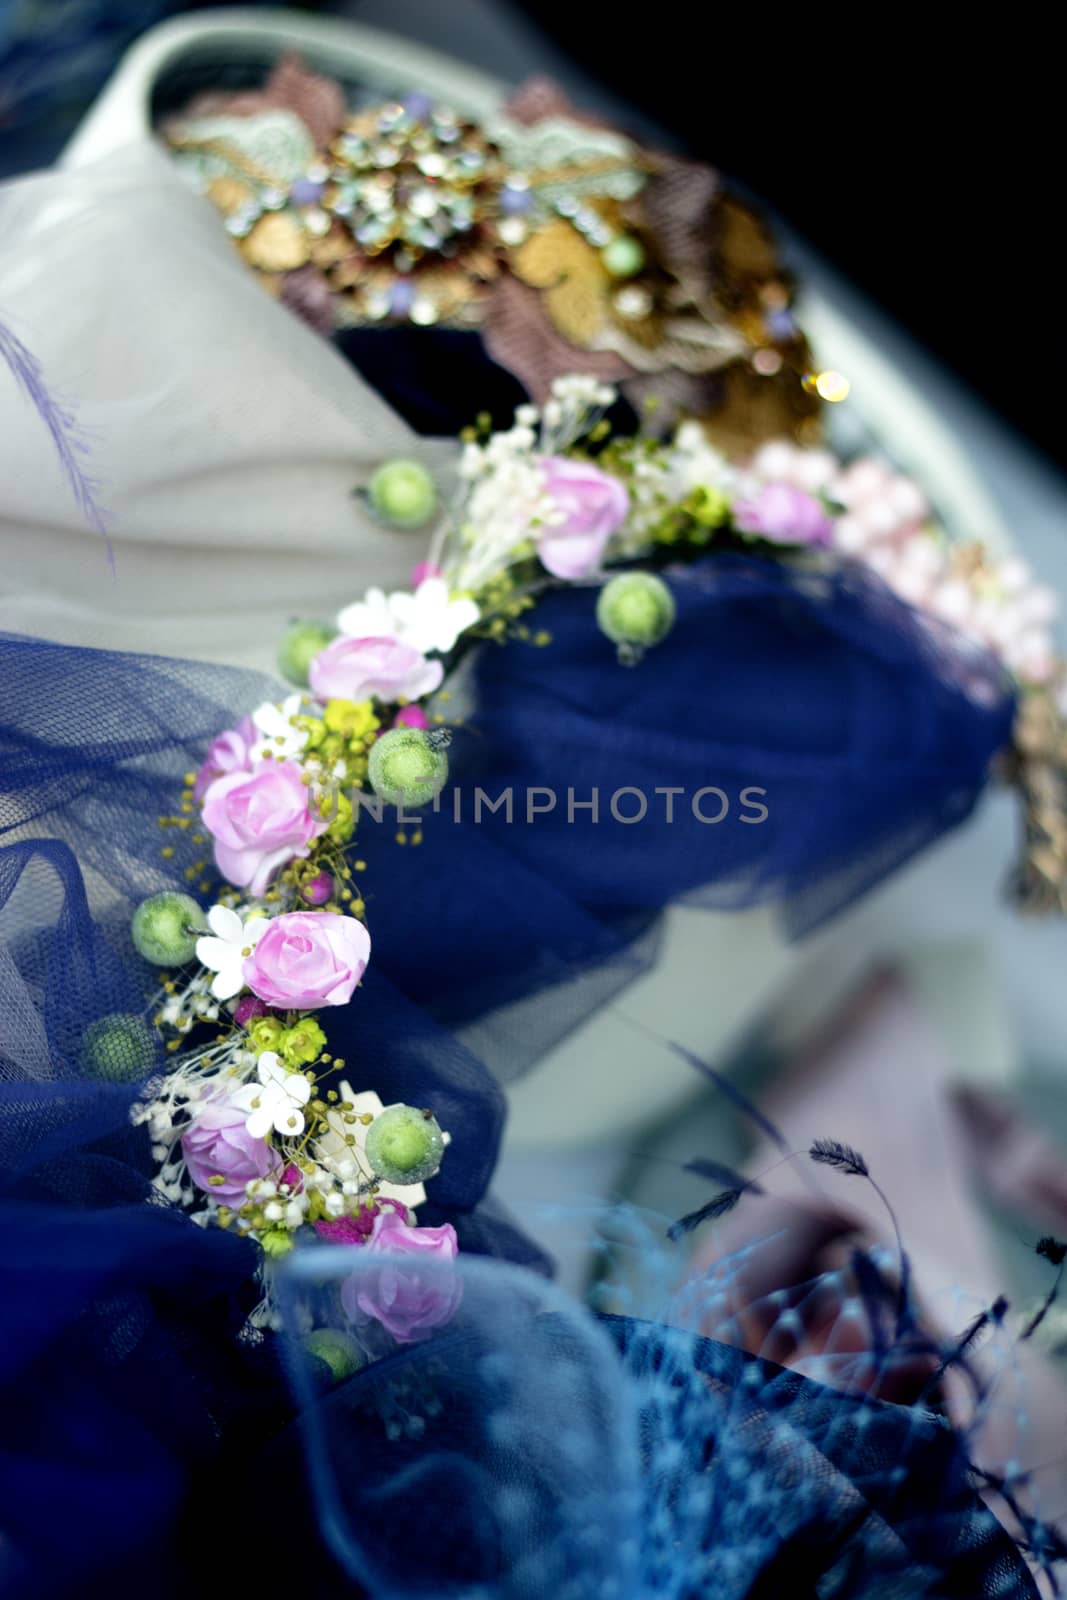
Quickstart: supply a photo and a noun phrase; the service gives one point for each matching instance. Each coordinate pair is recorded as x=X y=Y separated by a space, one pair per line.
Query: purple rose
x=356 y=669
x=308 y=959
x=409 y=1303
x=785 y=516
x=259 y=821
x=218 y=1145
x=594 y=506
x=230 y=752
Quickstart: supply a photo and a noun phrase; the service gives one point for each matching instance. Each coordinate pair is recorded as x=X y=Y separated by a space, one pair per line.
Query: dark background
x=920 y=155
x=923 y=161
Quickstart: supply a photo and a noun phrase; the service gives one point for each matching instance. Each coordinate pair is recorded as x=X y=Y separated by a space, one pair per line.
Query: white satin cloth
x=226 y=436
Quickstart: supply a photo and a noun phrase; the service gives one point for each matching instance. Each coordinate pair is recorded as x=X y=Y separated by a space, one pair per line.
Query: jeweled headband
x=566 y=244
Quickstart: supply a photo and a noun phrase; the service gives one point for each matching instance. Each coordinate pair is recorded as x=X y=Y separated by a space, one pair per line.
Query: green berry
x=405 y=1145
x=338 y=1351
x=402 y=494
x=635 y=609
x=119 y=1049
x=623 y=256
x=165 y=928
x=407 y=767
x=299 y=647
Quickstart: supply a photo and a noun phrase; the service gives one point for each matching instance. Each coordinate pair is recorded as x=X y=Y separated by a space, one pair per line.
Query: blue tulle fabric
x=123 y=1385
x=135 y=1423
x=864 y=731
x=531 y=1449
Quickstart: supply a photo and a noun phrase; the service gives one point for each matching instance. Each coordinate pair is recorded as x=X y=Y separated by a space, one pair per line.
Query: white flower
x=369 y=618
x=279 y=740
x=276 y=1101
x=224 y=949
x=694 y=463
x=428 y=620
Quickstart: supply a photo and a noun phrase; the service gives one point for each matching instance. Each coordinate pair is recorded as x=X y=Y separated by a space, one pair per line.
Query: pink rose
x=217 y=1144
x=594 y=506
x=308 y=959
x=785 y=516
x=230 y=752
x=409 y=1303
x=355 y=669
x=259 y=821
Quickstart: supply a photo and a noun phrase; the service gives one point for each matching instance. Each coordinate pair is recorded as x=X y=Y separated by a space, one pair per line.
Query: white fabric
x=226 y=435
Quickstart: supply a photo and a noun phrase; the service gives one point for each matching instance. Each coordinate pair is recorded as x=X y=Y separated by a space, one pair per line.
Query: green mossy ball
x=635 y=608
x=402 y=494
x=165 y=928
x=119 y=1049
x=299 y=647
x=337 y=1351
x=405 y=1145
x=406 y=767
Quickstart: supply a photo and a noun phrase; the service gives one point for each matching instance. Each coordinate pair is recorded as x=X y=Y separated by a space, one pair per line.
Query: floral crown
x=260 y=1130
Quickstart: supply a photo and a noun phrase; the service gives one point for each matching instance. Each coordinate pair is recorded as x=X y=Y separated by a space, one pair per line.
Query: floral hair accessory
x=256 y=1131
x=558 y=498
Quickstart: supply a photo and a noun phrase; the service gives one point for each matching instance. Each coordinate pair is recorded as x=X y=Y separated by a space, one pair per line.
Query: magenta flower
x=594 y=506
x=308 y=959
x=230 y=752
x=387 y=669
x=218 y=1145
x=348 y=1230
x=409 y=1301
x=259 y=821
x=411 y=717
x=248 y=1009
x=785 y=516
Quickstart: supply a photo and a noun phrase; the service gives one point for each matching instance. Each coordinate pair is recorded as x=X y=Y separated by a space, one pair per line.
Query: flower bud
x=299 y=647
x=635 y=610
x=407 y=767
x=405 y=1145
x=248 y=1010
x=317 y=890
x=165 y=928
x=402 y=494
x=119 y=1049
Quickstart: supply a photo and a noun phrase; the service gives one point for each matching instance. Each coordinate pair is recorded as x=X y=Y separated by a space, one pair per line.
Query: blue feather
x=71 y=445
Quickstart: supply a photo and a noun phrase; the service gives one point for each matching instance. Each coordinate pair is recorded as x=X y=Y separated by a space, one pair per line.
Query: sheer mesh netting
x=539 y=1449
x=140 y=1419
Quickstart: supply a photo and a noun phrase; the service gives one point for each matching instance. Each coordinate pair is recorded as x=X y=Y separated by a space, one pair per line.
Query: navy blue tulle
x=824 y=732
x=124 y=1387
x=532 y=1449
x=141 y=1426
